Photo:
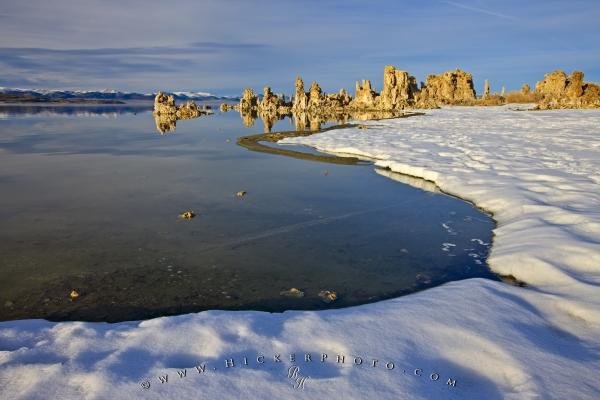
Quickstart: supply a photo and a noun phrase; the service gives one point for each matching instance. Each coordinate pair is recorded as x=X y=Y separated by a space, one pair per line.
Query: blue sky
x=224 y=45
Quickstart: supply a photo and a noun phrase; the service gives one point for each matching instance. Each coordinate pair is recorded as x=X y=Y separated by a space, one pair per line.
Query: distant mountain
x=104 y=96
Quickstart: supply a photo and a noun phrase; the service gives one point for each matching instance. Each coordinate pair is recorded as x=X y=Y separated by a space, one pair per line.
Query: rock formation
x=398 y=91
x=337 y=101
x=300 y=97
x=164 y=104
x=486 y=90
x=224 y=107
x=559 y=90
x=270 y=102
x=364 y=97
x=249 y=101
x=315 y=96
x=166 y=112
x=451 y=87
x=316 y=101
x=189 y=110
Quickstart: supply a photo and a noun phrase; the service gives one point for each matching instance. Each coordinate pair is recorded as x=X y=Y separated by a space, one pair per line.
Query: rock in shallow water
x=328 y=296
x=187 y=215
x=293 y=292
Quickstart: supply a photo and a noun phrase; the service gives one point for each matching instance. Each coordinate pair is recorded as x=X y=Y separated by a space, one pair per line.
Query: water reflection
x=81 y=110
x=301 y=121
x=165 y=123
x=310 y=121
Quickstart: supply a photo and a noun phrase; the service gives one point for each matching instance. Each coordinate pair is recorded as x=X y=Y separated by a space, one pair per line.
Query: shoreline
x=430 y=175
x=252 y=142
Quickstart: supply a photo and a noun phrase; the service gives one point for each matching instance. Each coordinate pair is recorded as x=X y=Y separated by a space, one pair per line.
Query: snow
x=192 y=95
x=537 y=172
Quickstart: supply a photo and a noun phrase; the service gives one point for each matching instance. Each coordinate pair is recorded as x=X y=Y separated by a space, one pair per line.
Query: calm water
x=90 y=199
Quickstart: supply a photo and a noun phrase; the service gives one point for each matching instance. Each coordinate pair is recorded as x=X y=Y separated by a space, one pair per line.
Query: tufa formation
x=166 y=112
x=451 y=87
x=559 y=90
x=400 y=92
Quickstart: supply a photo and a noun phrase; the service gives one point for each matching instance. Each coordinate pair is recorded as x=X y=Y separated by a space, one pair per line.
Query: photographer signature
x=298 y=380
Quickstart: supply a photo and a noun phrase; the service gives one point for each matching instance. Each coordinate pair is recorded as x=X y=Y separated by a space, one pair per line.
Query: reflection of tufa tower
x=268 y=121
x=165 y=123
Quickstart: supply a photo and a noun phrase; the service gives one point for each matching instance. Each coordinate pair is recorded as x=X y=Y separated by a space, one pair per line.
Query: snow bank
x=538 y=172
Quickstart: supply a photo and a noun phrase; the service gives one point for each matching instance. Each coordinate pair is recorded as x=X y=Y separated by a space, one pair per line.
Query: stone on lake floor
x=293 y=292
x=328 y=296
x=187 y=215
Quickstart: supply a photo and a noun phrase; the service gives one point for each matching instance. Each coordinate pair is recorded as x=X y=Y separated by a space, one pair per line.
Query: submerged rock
x=328 y=296
x=187 y=215
x=293 y=292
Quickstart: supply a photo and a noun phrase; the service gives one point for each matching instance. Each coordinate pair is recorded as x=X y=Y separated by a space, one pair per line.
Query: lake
x=91 y=198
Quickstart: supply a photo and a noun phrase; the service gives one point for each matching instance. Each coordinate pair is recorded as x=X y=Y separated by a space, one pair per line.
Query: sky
x=223 y=46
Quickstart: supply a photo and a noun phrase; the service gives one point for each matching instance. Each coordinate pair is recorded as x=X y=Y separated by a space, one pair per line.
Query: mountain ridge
x=41 y=95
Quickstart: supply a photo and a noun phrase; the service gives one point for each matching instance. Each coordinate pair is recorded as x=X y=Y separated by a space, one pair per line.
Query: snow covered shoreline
x=537 y=172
